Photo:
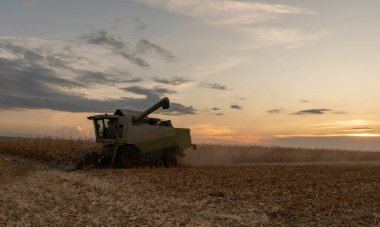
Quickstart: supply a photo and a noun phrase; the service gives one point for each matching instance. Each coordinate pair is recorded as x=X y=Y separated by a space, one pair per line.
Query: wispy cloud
x=340 y=112
x=226 y=12
x=145 y=45
x=317 y=112
x=133 y=80
x=354 y=123
x=237 y=107
x=312 y=112
x=171 y=81
x=103 y=38
x=245 y=17
x=215 y=86
x=289 y=38
x=275 y=111
x=123 y=49
x=140 y=25
x=207 y=67
x=116 y=45
x=361 y=128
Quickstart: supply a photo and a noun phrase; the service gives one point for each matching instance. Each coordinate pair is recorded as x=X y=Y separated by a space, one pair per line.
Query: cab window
x=106 y=128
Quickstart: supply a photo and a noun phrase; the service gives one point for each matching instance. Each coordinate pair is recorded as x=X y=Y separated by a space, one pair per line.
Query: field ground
x=262 y=194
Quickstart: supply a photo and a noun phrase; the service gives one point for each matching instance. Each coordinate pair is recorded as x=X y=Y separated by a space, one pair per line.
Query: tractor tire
x=169 y=158
x=128 y=157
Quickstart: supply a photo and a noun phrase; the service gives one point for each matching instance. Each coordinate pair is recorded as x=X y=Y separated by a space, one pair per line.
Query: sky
x=288 y=73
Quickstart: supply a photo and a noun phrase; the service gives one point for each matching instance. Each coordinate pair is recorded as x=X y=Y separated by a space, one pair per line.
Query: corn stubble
x=224 y=191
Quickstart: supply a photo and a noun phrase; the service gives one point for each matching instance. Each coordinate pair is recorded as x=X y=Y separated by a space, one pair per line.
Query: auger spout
x=164 y=103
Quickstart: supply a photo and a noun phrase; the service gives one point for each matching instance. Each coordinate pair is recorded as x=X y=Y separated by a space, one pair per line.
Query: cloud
x=31 y=80
x=275 y=111
x=103 y=38
x=244 y=17
x=119 y=47
x=345 y=124
x=361 y=128
x=304 y=100
x=237 y=107
x=317 y=112
x=133 y=59
x=96 y=77
x=289 y=38
x=163 y=91
x=215 y=86
x=140 y=25
x=173 y=81
x=215 y=108
x=219 y=114
x=225 y=12
x=133 y=80
x=206 y=67
x=145 y=45
x=312 y=112
x=154 y=95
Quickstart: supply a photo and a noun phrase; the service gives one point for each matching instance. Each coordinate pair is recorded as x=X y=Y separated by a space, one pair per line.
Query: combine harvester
x=131 y=138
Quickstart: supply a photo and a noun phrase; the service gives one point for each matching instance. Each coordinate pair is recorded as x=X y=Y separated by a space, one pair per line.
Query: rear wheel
x=128 y=157
x=169 y=158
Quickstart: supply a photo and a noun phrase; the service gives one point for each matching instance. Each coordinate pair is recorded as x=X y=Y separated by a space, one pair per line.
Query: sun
x=364 y=135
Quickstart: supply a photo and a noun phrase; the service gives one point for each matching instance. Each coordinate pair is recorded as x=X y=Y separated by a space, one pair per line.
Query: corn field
x=71 y=151
x=47 y=149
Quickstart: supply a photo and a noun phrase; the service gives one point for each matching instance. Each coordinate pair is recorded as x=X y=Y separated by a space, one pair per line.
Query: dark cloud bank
x=33 y=80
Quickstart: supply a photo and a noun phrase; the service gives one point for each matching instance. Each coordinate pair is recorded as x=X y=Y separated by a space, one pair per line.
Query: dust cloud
x=212 y=154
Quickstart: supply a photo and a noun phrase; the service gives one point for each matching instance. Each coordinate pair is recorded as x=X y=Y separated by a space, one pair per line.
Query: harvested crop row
x=257 y=195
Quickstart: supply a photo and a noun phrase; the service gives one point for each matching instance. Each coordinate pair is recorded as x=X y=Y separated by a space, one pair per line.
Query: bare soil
x=263 y=194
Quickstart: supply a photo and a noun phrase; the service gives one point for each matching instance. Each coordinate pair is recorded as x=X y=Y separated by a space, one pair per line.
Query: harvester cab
x=131 y=138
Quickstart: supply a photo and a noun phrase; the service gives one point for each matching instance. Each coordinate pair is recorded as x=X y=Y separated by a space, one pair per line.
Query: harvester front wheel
x=128 y=157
